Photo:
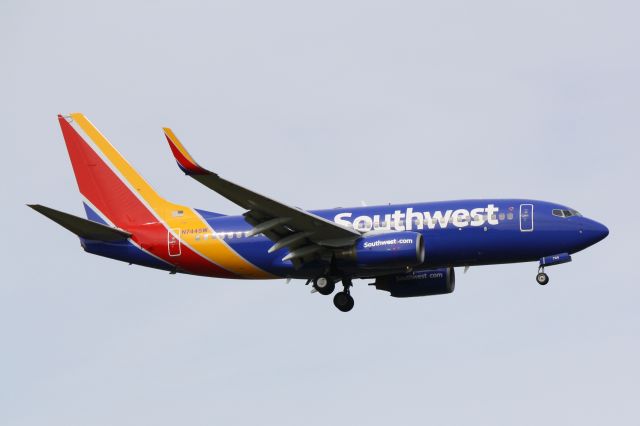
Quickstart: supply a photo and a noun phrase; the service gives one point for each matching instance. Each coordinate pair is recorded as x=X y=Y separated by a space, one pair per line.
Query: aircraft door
x=173 y=242
x=526 y=217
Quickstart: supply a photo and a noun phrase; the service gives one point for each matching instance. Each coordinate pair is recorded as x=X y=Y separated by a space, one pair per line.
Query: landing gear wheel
x=542 y=278
x=343 y=301
x=324 y=285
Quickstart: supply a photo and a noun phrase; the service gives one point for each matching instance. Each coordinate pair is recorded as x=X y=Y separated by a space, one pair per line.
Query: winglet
x=185 y=161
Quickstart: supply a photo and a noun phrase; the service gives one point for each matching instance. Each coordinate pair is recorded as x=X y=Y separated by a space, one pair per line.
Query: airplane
x=408 y=250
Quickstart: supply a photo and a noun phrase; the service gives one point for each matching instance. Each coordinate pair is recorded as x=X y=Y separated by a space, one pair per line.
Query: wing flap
x=83 y=228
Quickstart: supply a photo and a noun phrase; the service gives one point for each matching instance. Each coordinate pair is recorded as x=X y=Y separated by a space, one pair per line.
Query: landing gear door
x=526 y=217
x=173 y=242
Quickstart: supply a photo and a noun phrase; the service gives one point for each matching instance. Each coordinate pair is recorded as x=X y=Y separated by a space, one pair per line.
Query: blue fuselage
x=456 y=233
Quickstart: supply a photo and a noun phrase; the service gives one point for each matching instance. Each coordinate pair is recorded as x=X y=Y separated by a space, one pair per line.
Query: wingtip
x=185 y=161
x=39 y=208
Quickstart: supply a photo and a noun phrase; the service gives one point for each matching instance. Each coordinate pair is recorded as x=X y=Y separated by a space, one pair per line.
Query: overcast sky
x=323 y=105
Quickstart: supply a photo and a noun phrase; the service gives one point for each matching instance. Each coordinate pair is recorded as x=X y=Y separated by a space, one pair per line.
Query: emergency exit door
x=526 y=217
x=173 y=242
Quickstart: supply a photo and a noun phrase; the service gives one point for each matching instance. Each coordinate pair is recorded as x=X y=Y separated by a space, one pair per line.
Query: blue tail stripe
x=92 y=215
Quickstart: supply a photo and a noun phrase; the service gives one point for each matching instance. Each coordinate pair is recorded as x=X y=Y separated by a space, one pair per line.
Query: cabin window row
x=383 y=224
x=223 y=235
x=499 y=216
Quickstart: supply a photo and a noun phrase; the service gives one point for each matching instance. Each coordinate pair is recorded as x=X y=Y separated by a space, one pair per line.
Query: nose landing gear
x=542 y=278
x=555 y=259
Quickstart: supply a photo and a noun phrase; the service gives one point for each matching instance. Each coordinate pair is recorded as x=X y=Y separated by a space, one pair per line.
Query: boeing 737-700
x=407 y=250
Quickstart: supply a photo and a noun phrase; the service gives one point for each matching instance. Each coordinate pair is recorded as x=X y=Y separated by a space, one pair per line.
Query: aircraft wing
x=302 y=232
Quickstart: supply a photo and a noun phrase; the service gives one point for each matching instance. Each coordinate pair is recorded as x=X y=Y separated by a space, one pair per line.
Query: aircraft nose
x=594 y=231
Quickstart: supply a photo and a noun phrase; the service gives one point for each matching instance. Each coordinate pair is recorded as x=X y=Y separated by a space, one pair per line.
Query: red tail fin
x=109 y=184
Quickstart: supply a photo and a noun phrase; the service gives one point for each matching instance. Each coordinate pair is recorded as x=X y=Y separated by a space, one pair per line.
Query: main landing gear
x=542 y=278
x=324 y=285
x=343 y=300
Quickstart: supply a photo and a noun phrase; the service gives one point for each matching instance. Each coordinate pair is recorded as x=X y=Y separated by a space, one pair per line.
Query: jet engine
x=427 y=282
x=388 y=250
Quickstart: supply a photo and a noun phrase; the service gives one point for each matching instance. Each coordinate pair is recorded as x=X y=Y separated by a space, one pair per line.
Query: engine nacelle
x=426 y=282
x=390 y=249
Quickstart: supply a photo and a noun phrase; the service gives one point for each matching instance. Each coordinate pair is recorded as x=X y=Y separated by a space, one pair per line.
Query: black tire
x=343 y=301
x=325 y=286
x=542 y=278
x=328 y=289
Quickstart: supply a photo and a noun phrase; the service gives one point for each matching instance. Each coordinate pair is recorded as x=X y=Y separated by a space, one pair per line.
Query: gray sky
x=323 y=105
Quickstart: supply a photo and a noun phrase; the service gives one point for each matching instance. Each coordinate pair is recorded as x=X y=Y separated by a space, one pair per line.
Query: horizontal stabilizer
x=83 y=228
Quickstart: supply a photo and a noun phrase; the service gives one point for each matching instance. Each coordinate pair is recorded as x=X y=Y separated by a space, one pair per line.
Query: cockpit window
x=565 y=213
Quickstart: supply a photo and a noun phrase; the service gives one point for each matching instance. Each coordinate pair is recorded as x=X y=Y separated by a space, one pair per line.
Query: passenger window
x=501 y=216
x=510 y=216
